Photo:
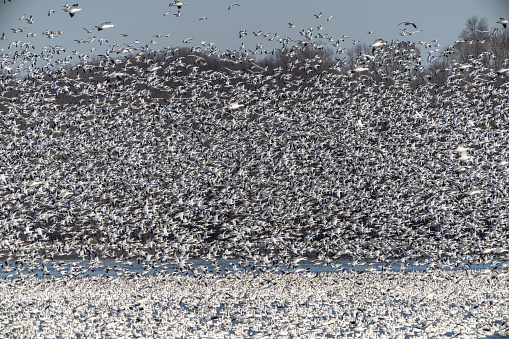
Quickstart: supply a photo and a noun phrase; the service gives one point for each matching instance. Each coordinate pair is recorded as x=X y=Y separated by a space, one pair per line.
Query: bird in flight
x=104 y=25
x=235 y=105
x=234 y=4
x=178 y=4
x=503 y=22
x=73 y=9
x=376 y=44
x=408 y=23
x=359 y=68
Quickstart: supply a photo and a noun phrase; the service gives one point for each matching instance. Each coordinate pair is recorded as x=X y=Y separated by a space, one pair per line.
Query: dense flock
x=118 y=171
x=244 y=304
x=183 y=154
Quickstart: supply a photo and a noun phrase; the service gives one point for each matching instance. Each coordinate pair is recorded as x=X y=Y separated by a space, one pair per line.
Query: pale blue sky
x=142 y=19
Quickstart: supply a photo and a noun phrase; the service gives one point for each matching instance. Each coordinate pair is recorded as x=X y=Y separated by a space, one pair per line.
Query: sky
x=143 y=19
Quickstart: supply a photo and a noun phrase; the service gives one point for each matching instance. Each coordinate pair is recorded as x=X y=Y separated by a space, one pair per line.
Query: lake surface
x=111 y=267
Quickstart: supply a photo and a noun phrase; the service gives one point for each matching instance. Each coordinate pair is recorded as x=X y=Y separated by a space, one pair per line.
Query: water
x=110 y=267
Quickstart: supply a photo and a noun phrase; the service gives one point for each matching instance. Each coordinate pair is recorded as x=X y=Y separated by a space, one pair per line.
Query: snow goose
x=503 y=22
x=104 y=25
x=359 y=68
x=235 y=105
x=178 y=4
x=376 y=44
x=72 y=10
x=407 y=23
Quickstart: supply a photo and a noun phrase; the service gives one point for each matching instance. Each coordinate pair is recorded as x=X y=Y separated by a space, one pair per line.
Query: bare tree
x=353 y=54
x=475 y=27
x=477 y=42
x=438 y=72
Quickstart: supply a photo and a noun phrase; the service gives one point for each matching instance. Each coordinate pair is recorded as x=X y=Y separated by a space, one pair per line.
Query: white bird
x=141 y=301
x=104 y=25
x=359 y=68
x=461 y=148
x=178 y=4
x=503 y=22
x=376 y=44
x=474 y=191
x=464 y=156
x=503 y=71
x=73 y=9
x=235 y=105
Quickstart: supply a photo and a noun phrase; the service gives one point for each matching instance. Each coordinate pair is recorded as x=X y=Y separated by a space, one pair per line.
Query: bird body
x=235 y=105
x=503 y=22
x=359 y=68
x=178 y=4
x=376 y=44
x=73 y=9
x=408 y=23
x=104 y=25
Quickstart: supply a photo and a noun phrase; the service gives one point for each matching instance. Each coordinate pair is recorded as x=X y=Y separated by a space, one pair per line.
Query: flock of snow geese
x=152 y=159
